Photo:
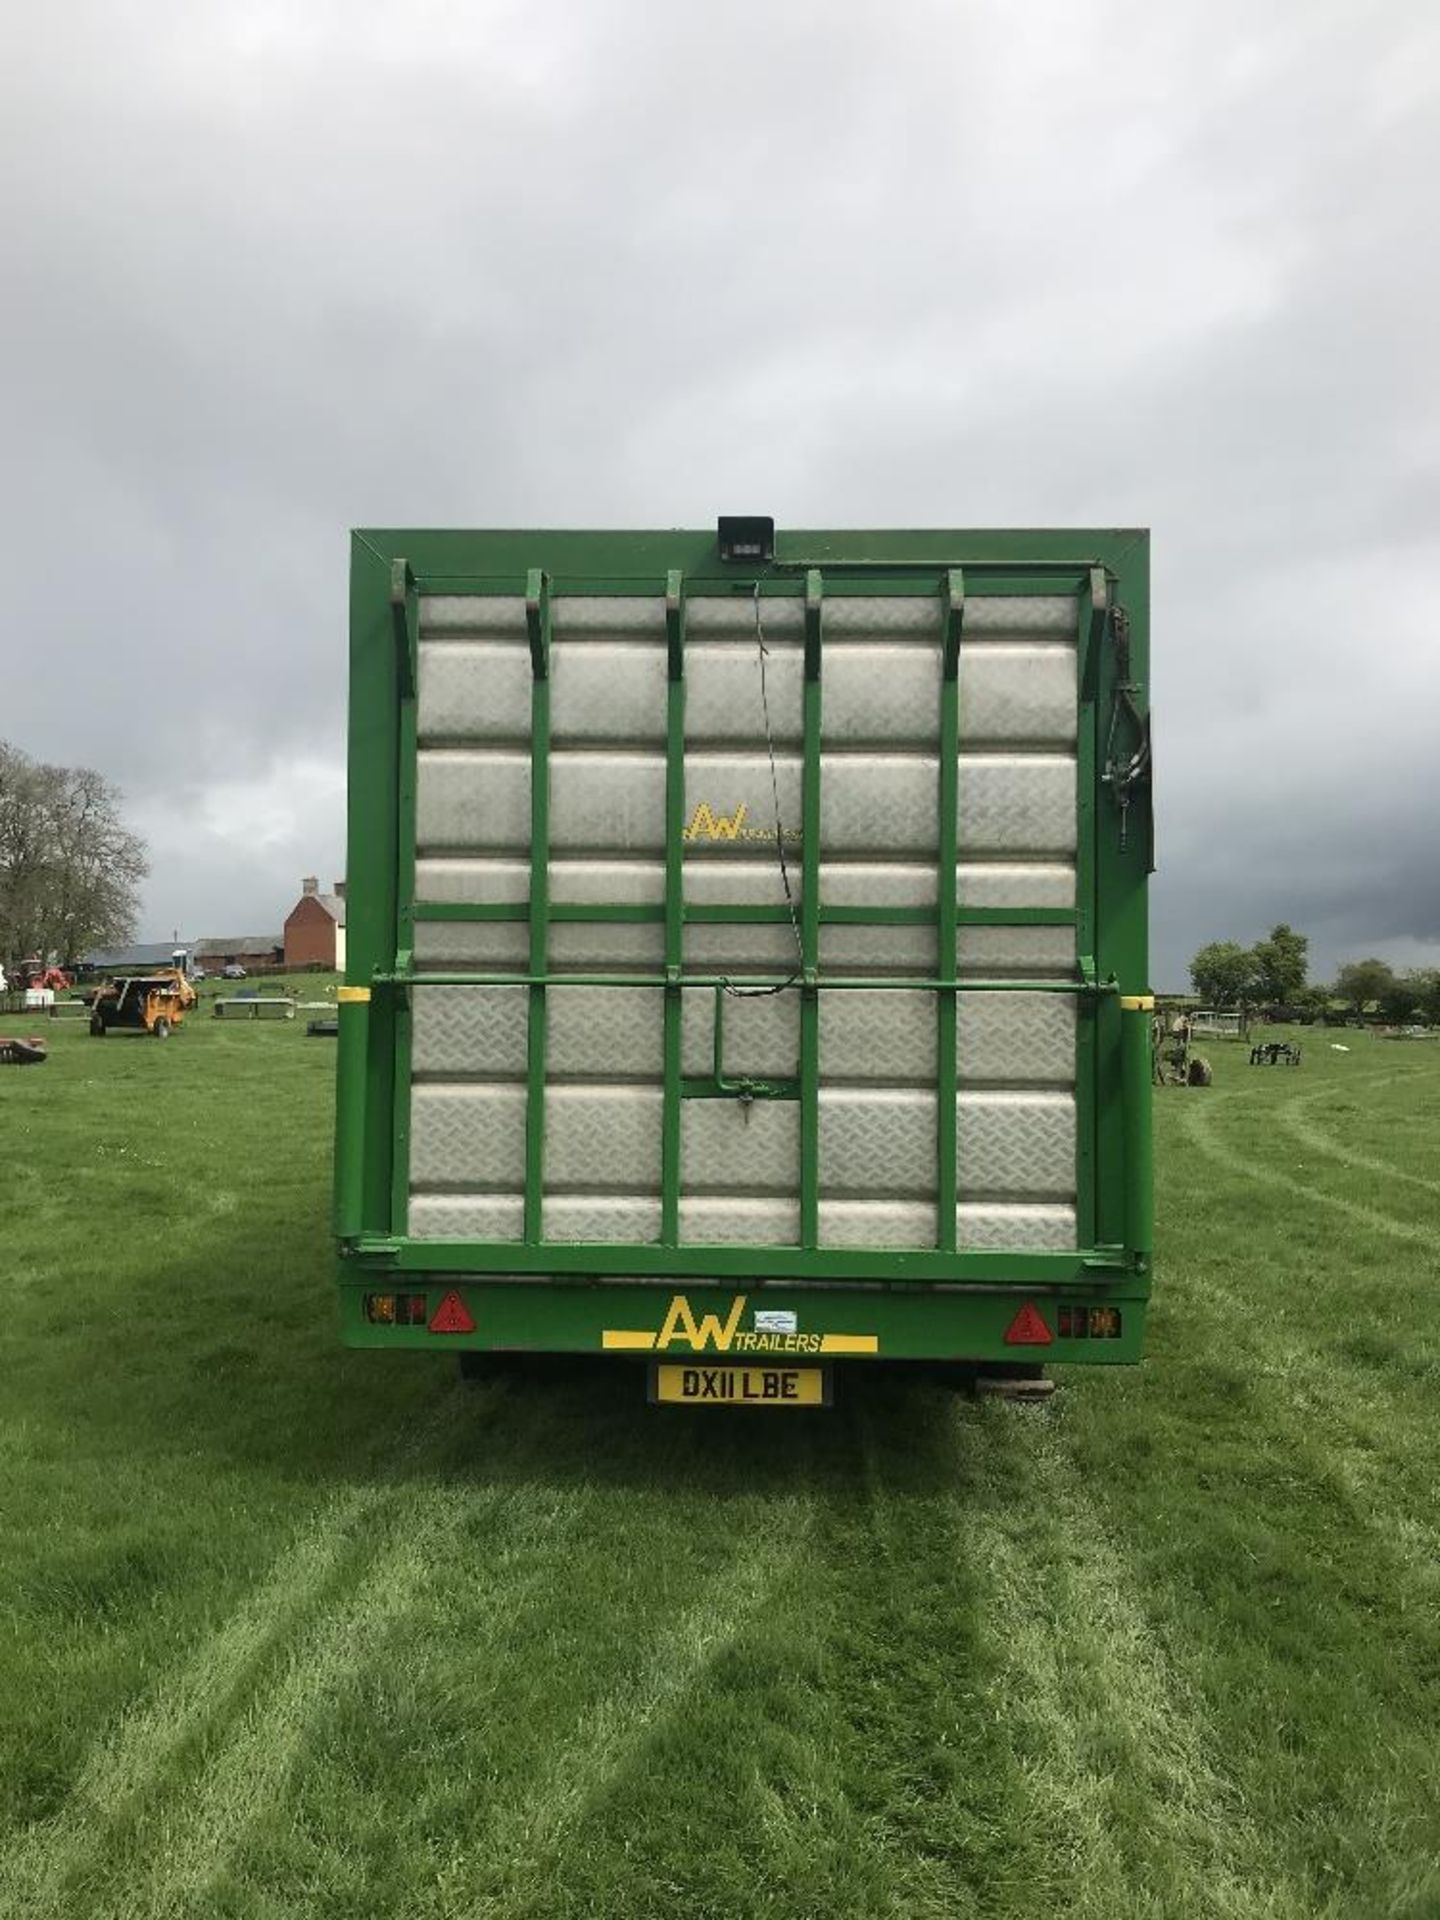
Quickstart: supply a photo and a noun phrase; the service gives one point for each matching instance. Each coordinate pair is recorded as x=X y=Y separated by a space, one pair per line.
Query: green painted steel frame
x=952 y=617
x=390 y=571
x=694 y=913
x=755 y=1265
x=1092 y=602
x=674 y=908
x=908 y=1322
x=537 y=624
x=810 y=915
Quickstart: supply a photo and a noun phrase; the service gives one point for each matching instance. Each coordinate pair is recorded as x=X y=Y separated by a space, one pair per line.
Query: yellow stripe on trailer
x=850 y=1343
x=614 y=1340
x=352 y=996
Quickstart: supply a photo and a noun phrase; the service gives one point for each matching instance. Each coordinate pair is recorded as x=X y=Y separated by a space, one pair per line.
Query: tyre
x=161 y=1029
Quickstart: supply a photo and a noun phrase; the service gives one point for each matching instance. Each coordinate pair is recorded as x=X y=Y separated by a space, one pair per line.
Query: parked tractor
x=154 y=1003
x=34 y=974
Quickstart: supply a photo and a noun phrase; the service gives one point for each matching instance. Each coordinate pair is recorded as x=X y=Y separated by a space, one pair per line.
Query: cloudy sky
x=278 y=268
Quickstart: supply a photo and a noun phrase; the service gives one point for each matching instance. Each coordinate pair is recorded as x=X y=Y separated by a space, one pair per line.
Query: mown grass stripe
x=219 y=1805
x=124 y=1767
x=1121 y=1760
x=1348 y=1393
x=513 y=1849
x=136 y=1757
x=1197 y=1125
x=1291 y=1115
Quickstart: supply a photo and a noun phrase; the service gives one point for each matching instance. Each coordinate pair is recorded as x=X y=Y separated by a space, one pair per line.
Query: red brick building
x=315 y=928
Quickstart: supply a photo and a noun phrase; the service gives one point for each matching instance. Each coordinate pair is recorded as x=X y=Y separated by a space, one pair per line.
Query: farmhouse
x=315 y=927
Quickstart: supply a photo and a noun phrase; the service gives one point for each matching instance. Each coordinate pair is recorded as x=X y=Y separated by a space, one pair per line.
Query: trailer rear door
x=750 y=913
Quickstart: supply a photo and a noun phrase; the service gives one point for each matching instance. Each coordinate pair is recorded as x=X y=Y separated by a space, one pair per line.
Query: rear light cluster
x=1089 y=1323
x=395 y=1309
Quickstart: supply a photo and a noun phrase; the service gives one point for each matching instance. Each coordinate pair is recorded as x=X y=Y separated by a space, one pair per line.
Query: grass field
x=294 y=1631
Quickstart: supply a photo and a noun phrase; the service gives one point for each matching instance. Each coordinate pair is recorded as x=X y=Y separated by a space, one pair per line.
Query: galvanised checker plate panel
x=740 y=1161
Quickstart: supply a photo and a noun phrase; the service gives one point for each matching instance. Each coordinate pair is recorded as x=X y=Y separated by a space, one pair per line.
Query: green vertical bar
x=364 y=1087
x=952 y=612
x=354 y=1031
x=405 y=604
x=1136 y=1012
x=404 y=951
x=537 y=621
x=1090 y=635
x=810 y=921
x=674 y=904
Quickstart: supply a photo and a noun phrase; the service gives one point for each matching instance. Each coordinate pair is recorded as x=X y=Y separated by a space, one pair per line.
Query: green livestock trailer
x=746 y=950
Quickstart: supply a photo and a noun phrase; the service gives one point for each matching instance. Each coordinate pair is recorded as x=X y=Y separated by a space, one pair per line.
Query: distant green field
x=294 y=1631
x=299 y=986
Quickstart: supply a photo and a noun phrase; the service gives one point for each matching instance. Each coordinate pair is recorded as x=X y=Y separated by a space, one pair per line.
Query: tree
x=70 y=869
x=1410 y=996
x=1281 y=964
x=1224 y=973
x=1361 y=981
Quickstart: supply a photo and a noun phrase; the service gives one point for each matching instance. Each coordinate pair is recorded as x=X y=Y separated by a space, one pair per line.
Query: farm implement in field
x=153 y=1003
x=23 y=1053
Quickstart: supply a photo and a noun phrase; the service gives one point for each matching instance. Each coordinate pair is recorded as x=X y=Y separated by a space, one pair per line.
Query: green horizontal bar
x=518 y=910
x=856 y=579
x=470 y=910
x=759 y=983
x=752 y=1263
x=648 y=914
x=606 y=553
x=734 y=916
x=1015 y=916
x=877 y=916
x=707 y=1087
x=740 y=916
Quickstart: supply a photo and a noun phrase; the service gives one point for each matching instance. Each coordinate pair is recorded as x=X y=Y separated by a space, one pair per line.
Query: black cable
x=752 y=993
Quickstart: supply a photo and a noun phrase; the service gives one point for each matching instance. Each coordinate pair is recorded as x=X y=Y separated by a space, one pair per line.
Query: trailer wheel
x=161 y=1028
x=97 y=1027
x=1008 y=1380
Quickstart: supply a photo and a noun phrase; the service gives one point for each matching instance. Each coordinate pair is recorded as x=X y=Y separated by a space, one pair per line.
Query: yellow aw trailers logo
x=715 y=828
x=712 y=1334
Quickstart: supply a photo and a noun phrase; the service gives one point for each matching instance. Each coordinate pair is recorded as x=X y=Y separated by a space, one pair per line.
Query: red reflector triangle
x=453 y=1316
x=1028 y=1328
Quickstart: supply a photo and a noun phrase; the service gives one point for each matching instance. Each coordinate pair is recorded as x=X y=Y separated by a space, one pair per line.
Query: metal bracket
x=698 y=1087
x=744 y=1087
x=814 y=612
x=675 y=622
x=1094 y=616
x=405 y=617
x=394 y=984
x=1123 y=774
x=952 y=614
x=537 y=621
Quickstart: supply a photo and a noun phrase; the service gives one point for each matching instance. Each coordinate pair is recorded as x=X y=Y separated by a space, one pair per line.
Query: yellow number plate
x=699 y=1385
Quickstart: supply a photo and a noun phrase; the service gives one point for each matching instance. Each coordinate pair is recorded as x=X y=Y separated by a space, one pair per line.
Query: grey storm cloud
x=274 y=271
